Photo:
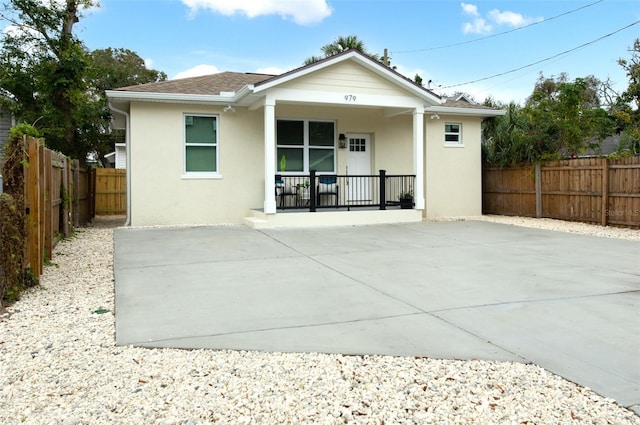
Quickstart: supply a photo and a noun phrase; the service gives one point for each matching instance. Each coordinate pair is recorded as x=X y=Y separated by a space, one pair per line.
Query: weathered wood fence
x=58 y=197
x=591 y=190
x=110 y=191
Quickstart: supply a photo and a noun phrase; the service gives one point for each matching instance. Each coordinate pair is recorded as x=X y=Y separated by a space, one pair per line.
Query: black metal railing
x=317 y=191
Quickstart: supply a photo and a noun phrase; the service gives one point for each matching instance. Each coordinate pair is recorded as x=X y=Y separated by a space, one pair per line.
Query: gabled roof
x=461 y=105
x=246 y=88
x=214 y=84
x=464 y=98
x=361 y=58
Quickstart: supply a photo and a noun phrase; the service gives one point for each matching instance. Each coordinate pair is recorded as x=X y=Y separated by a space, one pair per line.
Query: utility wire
x=500 y=33
x=548 y=58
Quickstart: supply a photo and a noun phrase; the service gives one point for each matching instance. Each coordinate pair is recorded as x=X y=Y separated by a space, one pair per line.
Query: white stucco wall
x=160 y=194
x=453 y=186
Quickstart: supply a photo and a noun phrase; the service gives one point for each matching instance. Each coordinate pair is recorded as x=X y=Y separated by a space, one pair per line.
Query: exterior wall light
x=342 y=141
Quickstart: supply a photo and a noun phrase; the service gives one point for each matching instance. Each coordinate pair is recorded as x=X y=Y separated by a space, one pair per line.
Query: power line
x=500 y=33
x=548 y=58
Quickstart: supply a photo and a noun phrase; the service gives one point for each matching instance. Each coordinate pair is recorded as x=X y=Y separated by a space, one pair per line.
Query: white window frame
x=306 y=146
x=459 y=143
x=200 y=174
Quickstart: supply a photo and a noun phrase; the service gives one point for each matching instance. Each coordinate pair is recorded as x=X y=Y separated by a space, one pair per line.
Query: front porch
x=311 y=200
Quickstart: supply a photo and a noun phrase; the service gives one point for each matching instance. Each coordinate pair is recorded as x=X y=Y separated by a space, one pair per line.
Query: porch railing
x=332 y=191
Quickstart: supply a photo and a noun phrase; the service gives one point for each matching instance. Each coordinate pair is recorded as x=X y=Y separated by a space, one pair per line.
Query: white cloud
x=148 y=63
x=302 y=12
x=469 y=9
x=197 y=71
x=478 y=26
x=511 y=18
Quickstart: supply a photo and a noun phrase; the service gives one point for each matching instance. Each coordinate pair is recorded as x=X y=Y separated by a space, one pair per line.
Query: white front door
x=358 y=164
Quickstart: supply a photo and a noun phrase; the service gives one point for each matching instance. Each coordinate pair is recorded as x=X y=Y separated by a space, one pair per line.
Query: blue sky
x=192 y=37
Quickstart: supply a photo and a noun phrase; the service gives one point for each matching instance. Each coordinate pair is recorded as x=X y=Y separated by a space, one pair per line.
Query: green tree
x=560 y=118
x=43 y=69
x=627 y=110
x=571 y=113
x=50 y=79
x=112 y=68
x=339 y=45
x=109 y=69
x=506 y=139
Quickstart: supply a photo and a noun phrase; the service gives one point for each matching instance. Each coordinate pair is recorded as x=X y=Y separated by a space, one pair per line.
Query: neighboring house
x=117 y=158
x=210 y=149
x=606 y=147
x=6 y=122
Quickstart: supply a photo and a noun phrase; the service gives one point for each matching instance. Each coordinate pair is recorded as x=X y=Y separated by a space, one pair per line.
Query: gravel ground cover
x=59 y=365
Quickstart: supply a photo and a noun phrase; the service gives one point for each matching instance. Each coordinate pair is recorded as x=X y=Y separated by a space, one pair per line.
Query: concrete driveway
x=463 y=290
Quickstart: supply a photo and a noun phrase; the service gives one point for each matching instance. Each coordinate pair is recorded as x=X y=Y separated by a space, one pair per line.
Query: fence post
x=42 y=209
x=48 y=206
x=65 y=197
x=76 y=193
x=383 y=189
x=538 y=176
x=33 y=209
x=91 y=175
x=605 y=191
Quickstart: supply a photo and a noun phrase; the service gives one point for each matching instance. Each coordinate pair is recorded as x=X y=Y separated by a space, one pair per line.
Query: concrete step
x=296 y=218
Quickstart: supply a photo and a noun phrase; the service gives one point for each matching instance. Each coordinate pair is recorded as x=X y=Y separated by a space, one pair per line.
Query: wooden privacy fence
x=110 y=191
x=591 y=190
x=58 y=197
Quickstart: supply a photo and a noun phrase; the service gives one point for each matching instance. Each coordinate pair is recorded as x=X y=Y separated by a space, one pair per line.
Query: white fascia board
x=464 y=111
x=224 y=98
x=243 y=92
x=340 y=98
x=169 y=97
x=380 y=70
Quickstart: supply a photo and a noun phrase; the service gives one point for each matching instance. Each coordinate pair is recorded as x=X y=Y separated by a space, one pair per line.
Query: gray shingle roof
x=207 y=84
x=453 y=103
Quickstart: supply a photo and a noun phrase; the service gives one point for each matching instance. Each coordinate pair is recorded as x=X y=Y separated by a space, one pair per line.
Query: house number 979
x=350 y=97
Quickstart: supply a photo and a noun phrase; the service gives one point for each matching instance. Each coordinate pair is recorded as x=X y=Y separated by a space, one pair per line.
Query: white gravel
x=59 y=365
x=566 y=226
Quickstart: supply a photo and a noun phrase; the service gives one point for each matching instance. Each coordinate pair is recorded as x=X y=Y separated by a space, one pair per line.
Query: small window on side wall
x=200 y=144
x=453 y=134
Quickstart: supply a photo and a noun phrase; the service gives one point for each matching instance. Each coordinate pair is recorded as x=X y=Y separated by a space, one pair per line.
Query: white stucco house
x=251 y=148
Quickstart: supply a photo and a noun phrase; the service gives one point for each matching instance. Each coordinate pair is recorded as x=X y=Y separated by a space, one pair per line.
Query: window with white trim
x=200 y=144
x=452 y=134
x=304 y=145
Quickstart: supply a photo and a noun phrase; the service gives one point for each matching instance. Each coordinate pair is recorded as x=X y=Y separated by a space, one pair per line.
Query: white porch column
x=418 y=157
x=269 y=156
